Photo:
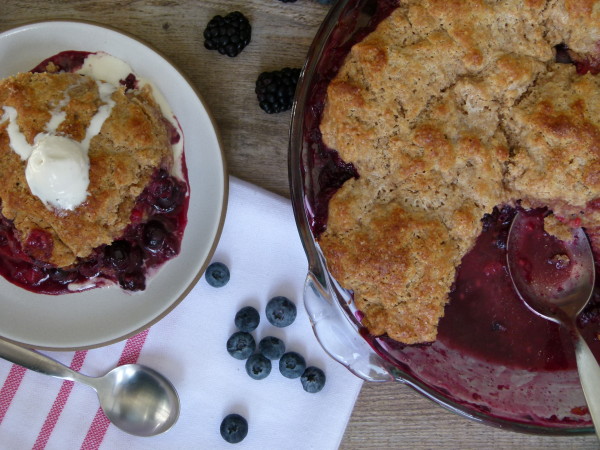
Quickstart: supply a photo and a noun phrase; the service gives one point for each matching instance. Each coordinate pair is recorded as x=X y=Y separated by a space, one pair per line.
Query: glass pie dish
x=508 y=390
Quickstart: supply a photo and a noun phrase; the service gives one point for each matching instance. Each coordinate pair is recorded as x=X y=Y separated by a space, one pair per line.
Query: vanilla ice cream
x=57 y=171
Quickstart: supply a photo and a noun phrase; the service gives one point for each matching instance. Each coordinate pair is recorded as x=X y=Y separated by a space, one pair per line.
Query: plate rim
x=225 y=187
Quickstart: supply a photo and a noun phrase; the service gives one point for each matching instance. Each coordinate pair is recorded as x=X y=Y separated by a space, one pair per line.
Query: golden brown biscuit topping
x=447 y=109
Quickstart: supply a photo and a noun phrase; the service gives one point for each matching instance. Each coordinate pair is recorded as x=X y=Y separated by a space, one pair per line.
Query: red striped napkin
x=260 y=245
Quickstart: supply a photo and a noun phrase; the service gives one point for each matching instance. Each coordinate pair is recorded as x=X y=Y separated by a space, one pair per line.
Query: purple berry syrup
x=492 y=355
x=154 y=235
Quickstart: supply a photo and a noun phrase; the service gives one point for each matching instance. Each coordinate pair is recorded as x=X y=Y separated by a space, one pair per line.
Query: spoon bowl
x=135 y=398
x=555 y=279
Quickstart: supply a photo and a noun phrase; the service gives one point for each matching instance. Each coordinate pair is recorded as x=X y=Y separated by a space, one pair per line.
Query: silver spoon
x=560 y=302
x=135 y=398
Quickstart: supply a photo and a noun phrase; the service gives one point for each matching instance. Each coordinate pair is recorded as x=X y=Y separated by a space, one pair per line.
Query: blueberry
x=258 y=367
x=280 y=311
x=247 y=319
x=117 y=254
x=313 y=379
x=166 y=193
x=292 y=365
x=217 y=274
x=241 y=345
x=136 y=258
x=62 y=276
x=90 y=268
x=134 y=281
x=271 y=347
x=234 y=428
x=154 y=235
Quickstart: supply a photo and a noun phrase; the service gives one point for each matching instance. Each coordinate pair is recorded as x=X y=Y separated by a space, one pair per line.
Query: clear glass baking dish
x=517 y=399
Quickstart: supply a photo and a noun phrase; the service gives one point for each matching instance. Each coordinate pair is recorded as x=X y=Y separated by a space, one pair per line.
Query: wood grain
x=386 y=415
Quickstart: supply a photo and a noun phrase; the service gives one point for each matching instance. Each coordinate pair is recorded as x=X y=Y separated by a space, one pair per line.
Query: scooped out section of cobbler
x=447 y=111
x=93 y=191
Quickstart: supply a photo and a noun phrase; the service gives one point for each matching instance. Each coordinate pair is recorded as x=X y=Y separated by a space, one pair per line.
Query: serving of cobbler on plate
x=93 y=191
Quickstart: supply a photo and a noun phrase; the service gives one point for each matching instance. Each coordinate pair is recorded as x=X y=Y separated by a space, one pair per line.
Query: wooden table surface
x=386 y=415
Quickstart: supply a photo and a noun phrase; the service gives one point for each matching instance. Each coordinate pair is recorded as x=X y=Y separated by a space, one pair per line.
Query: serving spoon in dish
x=557 y=284
x=135 y=398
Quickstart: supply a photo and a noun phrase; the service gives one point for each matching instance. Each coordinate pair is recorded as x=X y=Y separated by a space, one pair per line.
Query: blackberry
x=228 y=35
x=275 y=90
x=234 y=428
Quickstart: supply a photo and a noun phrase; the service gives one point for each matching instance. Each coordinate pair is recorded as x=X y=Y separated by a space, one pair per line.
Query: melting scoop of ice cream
x=58 y=171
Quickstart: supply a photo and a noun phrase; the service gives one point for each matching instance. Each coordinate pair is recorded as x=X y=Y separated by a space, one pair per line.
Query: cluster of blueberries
x=280 y=312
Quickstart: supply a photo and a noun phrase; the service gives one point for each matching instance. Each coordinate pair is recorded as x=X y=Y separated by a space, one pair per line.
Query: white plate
x=104 y=315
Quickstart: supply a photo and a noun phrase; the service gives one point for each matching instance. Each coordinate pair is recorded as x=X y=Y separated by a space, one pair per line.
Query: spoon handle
x=589 y=374
x=35 y=361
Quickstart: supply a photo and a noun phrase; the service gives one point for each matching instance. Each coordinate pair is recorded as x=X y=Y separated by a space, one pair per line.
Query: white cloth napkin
x=260 y=245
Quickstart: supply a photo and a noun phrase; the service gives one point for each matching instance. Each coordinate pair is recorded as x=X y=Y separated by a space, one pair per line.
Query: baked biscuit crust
x=131 y=145
x=448 y=109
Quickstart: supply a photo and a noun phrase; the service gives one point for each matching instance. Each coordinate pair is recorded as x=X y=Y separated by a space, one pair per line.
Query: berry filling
x=68 y=61
x=153 y=236
x=584 y=64
x=589 y=63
